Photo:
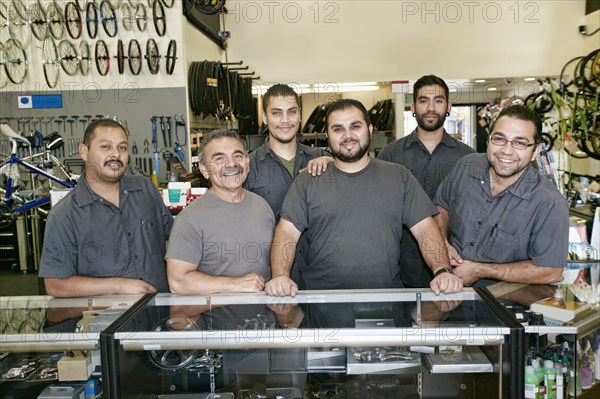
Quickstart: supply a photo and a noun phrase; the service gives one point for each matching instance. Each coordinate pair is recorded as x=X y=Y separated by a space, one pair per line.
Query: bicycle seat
x=53 y=141
x=11 y=134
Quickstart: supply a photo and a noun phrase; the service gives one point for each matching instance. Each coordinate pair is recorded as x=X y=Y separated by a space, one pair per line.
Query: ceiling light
x=529 y=79
x=480 y=81
x=492 y=88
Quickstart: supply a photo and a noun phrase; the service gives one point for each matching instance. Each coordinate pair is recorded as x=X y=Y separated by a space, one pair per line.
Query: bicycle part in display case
x=171 y=56
x=102 y=57
x=152 y=56
x=73 y=20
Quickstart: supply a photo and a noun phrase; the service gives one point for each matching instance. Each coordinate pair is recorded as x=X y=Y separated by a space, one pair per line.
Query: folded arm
x=78 y=286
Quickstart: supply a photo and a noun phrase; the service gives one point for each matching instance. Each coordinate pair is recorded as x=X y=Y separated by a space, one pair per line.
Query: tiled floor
x=12 y=284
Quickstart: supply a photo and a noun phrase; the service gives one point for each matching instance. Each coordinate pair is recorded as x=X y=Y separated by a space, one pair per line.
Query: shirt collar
x=264 y=149
x=86 y=196
x=522 y=188
x=414 y=138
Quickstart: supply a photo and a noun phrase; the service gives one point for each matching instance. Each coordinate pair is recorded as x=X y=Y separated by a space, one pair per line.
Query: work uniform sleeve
x=295 y=204
x=417 y=205
x=59 y=253
x=549 y=240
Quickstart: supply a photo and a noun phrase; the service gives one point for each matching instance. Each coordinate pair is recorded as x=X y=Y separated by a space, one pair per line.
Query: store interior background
x=331 y=42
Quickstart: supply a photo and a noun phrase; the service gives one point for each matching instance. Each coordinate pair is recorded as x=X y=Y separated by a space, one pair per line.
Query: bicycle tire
x=19 y=30
x=586 y=145
x=589 y=71
x=69 y=61
x=78 y=4
x=171 y=57
x=37 y=21
x=159 y=18
x=541 y=102
x=73 y=20
x=91 y=19
x=102 y=58
x=120 y=57
x=3 y=77
x=568 y=81
x=15 y=62
x=152 y=56
x=127 y=16
x=134 y=54
x=50 y=61
x=85 y=58
x=168 y=3
x=17 y=6
x=108 y=16
x=141 y=17
x=208 y=7
x=54 y=16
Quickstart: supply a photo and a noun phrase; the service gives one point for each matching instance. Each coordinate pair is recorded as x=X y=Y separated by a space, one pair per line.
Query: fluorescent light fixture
x=529 y=79
x=479 y=80
x=492 y=89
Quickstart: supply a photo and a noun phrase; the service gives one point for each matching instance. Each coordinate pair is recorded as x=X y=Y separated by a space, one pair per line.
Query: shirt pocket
x=503 y=247
x=150 y=235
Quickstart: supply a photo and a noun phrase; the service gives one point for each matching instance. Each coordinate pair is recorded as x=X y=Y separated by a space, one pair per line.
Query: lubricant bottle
x=550 y=379
x=532 y=383
x=560 y=379
x=539 y=372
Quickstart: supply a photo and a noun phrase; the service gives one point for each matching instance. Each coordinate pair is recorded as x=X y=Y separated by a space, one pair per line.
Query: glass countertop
x=313 y=319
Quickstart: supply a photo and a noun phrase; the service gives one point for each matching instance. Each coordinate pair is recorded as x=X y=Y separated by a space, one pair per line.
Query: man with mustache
x=503 y=219
x=430 y=153
x=221 y=241
x=353 y=216
x=108 y=235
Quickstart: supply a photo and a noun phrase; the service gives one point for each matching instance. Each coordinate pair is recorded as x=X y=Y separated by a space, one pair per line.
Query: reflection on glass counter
x=39 y=335
x=350 y=344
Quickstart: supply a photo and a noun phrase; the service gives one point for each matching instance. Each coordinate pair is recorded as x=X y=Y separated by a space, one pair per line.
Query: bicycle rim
x=120 y=57
x=134 y=53
x=68 y=57
x=91 y=19
x=18 y=30
x=50 y=61
x=85 y=58
x=15 y=62
x=56 y=23
x=37 y=22
x=102 y=58
x=152 y=56
x=208 y=7
x=141 y=17
x=171 y=56
x=158 y=16
x=73 y=20
x=109 y=18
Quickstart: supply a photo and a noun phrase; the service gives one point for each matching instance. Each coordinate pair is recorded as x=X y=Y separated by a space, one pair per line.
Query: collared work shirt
x=429 y=169
x=270 y=179
x=87 y=235
x=527 y=221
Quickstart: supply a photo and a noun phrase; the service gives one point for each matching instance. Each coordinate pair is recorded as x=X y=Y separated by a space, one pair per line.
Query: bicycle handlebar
x=13 y=136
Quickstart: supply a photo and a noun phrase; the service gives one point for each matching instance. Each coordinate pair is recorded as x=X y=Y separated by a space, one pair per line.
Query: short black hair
x=429 y=80
x=90 y=130
x=523 y=113
x=278 y=90
x=345 y=103
x=213 y=135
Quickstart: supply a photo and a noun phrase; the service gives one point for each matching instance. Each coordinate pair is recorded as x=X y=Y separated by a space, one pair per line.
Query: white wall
x=345 y=41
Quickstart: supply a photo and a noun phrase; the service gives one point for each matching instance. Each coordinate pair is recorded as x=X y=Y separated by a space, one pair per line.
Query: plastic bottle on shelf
x=586 y=372
x=549 y=379
x=539 y=372
x=532 y=383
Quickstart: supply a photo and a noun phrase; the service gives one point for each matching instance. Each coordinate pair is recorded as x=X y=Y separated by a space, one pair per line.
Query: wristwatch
x=442 y=270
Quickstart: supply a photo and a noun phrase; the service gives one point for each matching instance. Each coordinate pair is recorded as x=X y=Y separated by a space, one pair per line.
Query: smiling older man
x=221 y=241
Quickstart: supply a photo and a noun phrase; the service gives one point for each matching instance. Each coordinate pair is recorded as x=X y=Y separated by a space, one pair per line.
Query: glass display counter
x=571 y=344
x=320 y=344
x=37 y=332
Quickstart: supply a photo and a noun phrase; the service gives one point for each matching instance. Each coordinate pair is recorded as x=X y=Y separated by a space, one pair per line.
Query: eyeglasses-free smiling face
x=107 y=157
x=283 y=118
x=225 y=164
x=511 y=147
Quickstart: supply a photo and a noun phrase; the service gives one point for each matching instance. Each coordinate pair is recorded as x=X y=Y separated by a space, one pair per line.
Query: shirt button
x=135 y=256
x=479 y=223
x=482 y=182
x=428 y=177
x=471 y=244
x=489 y=200
x=129 y=234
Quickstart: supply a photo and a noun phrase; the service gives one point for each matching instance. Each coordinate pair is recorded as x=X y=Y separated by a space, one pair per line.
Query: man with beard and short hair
x=353 y=216
x=221 y=241
x=108 y=235
x=430 y=153
x=503 y=219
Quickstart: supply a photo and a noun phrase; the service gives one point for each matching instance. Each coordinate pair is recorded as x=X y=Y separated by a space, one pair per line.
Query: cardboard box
x=76 y=368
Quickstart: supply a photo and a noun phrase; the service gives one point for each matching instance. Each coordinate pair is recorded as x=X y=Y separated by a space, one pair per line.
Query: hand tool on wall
x=156 y=171
x=58 y=124
x=178 y=145
x=168 y=126
x=70 y=122
x=64 y=119
x=163 y=129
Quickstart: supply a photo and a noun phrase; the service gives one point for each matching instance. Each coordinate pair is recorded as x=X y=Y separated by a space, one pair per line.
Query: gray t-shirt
x=353 y=223
x=224 y=238
x=528 y=221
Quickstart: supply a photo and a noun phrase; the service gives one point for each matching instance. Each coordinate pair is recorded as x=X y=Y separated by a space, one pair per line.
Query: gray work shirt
x=527 y=221
x=429 y=169
x=270 y=179
x=87 y=235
